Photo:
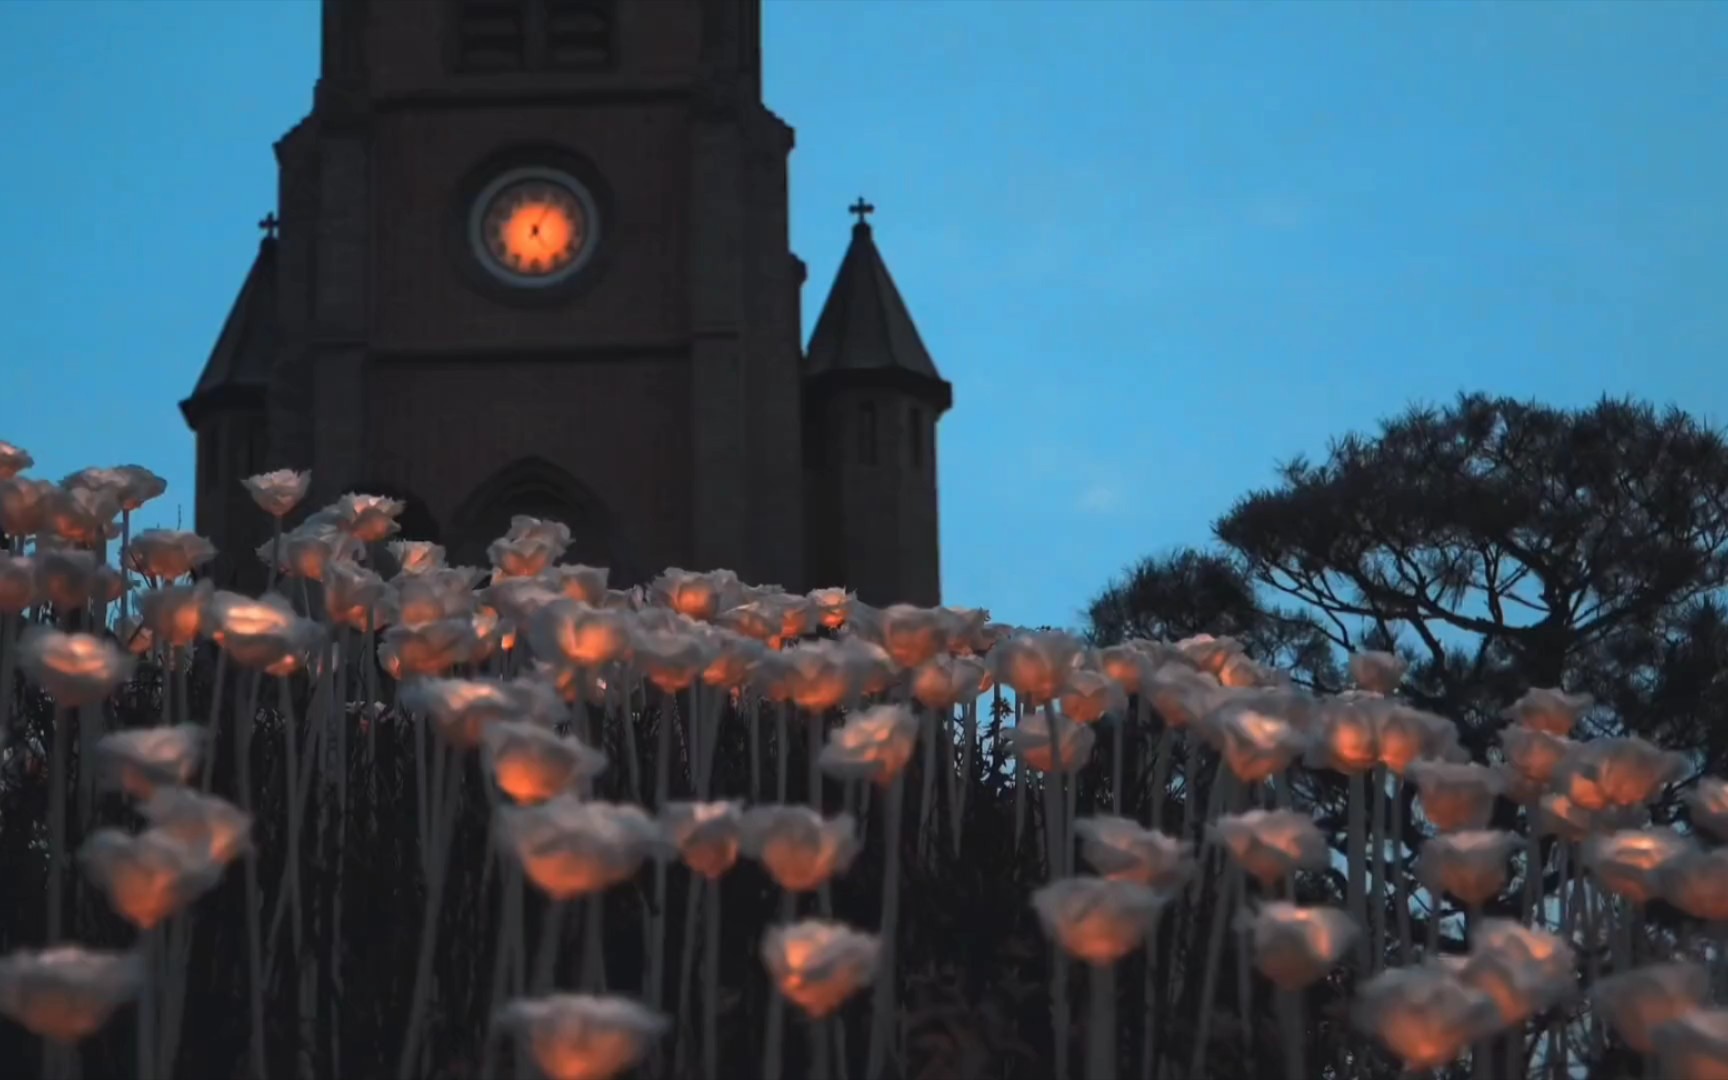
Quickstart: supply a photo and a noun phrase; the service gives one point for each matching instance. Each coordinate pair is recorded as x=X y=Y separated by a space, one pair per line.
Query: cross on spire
x=862 y=209
x=270 y=224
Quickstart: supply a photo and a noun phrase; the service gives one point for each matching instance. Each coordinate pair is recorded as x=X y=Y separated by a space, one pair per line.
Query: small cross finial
x=862 y=209
x=270 y=224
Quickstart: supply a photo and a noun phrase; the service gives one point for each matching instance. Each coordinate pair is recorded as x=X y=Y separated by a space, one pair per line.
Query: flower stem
x=711 y=984
x=884 y=1013
x=62 y=719
x=1101 y=1025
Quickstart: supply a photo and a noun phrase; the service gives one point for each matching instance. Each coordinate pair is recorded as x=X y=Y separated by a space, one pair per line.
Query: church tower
x=872 y=401
x=532 y=257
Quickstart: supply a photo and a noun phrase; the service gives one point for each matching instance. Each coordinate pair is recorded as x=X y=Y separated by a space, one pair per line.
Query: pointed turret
x=872 y=399
x=226 y=412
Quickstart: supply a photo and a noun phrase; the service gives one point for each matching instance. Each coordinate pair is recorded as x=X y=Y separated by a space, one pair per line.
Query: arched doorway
x=534 y=487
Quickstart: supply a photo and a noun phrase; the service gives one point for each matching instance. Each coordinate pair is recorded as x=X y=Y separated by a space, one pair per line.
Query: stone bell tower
x=532 y=258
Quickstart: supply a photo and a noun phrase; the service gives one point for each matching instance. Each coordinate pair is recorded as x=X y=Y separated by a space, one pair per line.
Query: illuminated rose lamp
x=143 y=759
x=1638 y=1002
x=582 y=1036
x=1097 y=921
x=1472 y=866
x=1294 y=947
x=76 y=670
x=1632 y=864
x=707 y=836
x=67 y=993
x=1708 y=802
x=875 y=746
x=801 y=851
x=1456 y=797
x=1424 y=1015
x=817 y=965
x=1550 y=710
x=939 y=685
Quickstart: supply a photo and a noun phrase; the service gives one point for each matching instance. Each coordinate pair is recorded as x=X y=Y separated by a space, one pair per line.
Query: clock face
x=533 y=227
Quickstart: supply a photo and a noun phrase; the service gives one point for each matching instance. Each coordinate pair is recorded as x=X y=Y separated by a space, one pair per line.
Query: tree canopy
x=1498 y=545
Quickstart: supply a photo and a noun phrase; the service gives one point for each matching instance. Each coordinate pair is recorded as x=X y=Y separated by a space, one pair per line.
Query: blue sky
x=1157 y=247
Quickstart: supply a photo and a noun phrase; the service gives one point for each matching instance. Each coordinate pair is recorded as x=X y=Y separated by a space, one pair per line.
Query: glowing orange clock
x=533 y=227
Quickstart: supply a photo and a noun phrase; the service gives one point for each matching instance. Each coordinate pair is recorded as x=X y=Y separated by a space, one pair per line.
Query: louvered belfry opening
x=491 y=35
x=578 y=33
x=518 y=35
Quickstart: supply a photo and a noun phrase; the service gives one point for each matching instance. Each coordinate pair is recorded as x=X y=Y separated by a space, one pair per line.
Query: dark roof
x=864 y=326
x=246 y=347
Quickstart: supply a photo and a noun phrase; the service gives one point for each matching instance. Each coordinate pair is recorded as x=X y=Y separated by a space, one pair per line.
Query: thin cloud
x=1100 y=499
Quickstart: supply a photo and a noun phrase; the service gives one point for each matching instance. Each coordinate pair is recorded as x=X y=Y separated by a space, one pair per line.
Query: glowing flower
x=263 y=634
x=130 y=486
x=670 y=659
x=1031 y=741
x=1270 y=845
x=309 y=549
x=17 y=583
x=531 y=763
x=147 y=877
x=586 y=584
x=581 y=635
x=278 y=493
x=1404 y=735
x=463 y=708
x=1523 y=970
x=80 y=515
x=1090 y=696
x=1534 y=753
x=176 y=615
x=1424 y=1015
x=1708 y=802
x=946 y=681
x=1377 y=672
x=1616 y=772
x=1208 y=653
x=13 y=460
x=914 y=635
x=817 y=676
x=1694 y=1045
x=706 y=835
x=367 y=518
x=1470 y=865
x=693 y=595
x=143 y=759
x=1119 y=849
x=832 y=606
x=1127 y=665
x=583 y=1037
x=571 y=848
x=1639 y=1001
x=872 y=745
x=524 y=557
x=74 y=669
x=166 y=554
x=1560 y=816
x=212 y=827
x=1035 y=665
x=1632 y=863
x=66 y=994
x=1348 y=740
x=416 y=556
x=797 y=846
x=433 y=595
x=1457 y=796
x=429 y=649
x=1294 y=946
x=730 y=658
x=1255 y=745
x=817 y=965
x=1097 y=920
x=23 y=505
x=67 y=577
x=1552 y=710
x=353 y=595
